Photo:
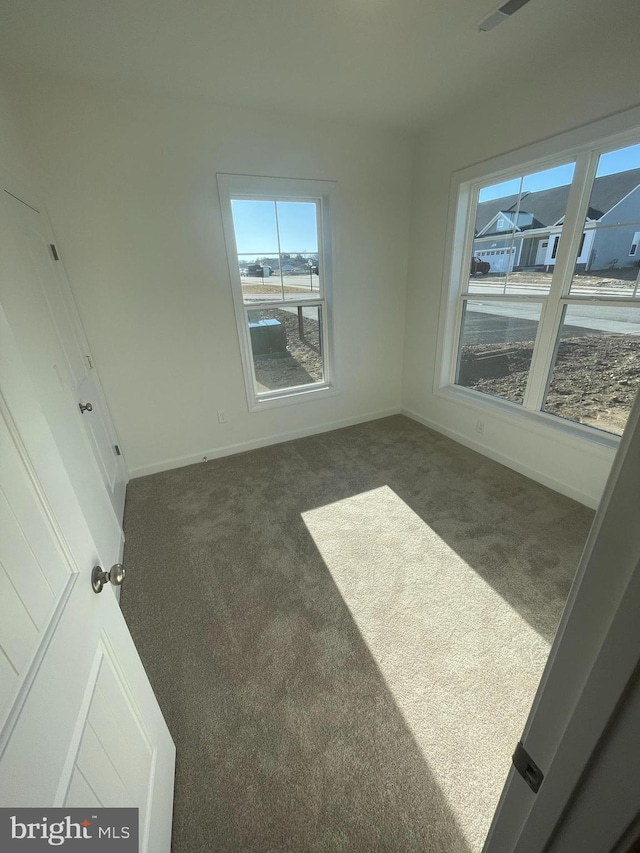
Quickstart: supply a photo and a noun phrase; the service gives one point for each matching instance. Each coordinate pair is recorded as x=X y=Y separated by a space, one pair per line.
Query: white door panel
x=41 y=349
x=80 y=794
x=66 y=730
x=8 y=684
x=115 y=720
x=42 y=262
x=79 y=723
x=21 y=567
x=33 y=574
x=98 y=432
x=590 y=667
x=18 y=634
x=94 y=764
x=45 y=293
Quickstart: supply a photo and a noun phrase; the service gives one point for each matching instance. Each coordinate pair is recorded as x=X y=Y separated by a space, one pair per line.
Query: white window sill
x=288 y=398
x=550 y=426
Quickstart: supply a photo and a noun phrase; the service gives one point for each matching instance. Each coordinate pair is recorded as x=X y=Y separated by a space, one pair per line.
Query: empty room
x=319 y=353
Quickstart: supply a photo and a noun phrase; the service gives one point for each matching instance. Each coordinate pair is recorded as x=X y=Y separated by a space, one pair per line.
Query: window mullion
x=314 y=345
x=572 y=229
x=275 y=207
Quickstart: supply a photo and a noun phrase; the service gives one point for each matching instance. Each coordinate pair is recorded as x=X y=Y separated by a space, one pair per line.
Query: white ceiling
x=398 y=63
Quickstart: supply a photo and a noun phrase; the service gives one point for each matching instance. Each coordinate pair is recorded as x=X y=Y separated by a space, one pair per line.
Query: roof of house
x=547 y=207
x=611 y=189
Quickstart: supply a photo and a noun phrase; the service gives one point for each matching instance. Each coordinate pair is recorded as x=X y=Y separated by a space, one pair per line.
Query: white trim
x=255 y=444
x=286 y=189
x=509 y=462
x=604 y=302
x=289 y=396
x=583 y=148
x=601 y=443
x=458 y=245
x=565 y=246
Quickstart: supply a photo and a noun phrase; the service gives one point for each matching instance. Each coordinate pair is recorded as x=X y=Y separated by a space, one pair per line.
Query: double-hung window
x=547 y=317
x=277 y=233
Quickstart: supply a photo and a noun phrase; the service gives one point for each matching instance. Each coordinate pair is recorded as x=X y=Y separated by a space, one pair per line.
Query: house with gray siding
x=522 y=232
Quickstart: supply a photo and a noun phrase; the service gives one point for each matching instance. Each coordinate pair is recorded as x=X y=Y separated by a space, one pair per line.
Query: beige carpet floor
x=345 y=633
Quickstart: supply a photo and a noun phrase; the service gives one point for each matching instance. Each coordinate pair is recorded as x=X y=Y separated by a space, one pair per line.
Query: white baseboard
x=557 y=485
x=240 y=447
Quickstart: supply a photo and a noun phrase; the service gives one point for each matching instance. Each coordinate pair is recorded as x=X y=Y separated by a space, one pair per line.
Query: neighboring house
x=516 y=233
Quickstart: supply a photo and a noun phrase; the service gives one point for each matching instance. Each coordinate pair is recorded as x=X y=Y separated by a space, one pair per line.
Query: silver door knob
x=85 y=408
x=115 y=575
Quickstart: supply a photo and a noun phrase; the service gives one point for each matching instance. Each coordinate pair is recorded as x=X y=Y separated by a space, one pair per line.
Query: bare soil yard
x=595 y=380
x=302 y=362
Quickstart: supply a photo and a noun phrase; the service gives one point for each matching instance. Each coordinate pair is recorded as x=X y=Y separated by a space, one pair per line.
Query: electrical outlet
x=222 y=418
x=480 y=426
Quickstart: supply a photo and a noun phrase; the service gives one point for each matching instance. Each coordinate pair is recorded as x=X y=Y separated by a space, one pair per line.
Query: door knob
x=85 y=408
x=99 y=578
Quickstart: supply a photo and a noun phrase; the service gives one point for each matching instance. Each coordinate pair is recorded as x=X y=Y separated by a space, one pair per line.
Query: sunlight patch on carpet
x=462 y=664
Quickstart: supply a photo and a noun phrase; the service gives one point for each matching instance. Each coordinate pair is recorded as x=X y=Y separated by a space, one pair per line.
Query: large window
x=277 y=235
x=548 y=312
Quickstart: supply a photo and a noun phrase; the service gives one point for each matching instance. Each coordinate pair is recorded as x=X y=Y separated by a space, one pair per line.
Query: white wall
x=131 y=189
x=471 y=135
x=130 y=184
x=12 y=154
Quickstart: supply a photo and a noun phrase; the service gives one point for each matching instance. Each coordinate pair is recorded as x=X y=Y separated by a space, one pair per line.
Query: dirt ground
x=595 y=380
x=302 y=363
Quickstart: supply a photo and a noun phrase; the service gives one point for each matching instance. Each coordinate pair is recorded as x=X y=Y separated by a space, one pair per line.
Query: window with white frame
x=277 y=232
x=550 y=321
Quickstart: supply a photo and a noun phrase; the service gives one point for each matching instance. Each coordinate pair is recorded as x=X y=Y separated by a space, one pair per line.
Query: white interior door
x=34 y=307
x=41 y=266
x=79 y=723
x=587 y=688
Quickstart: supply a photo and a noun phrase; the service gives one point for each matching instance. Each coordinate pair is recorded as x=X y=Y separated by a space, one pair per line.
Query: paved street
x=502 y=322
x=507 y=321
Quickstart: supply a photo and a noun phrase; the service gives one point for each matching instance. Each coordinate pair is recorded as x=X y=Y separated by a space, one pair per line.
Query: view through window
x=282 y=266
x=554 y=333
x=278 y=272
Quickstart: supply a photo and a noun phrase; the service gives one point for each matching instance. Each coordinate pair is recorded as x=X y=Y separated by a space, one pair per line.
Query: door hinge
x=527 y=768
x=89 y=361
x=54 y=252
x=117 y=450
